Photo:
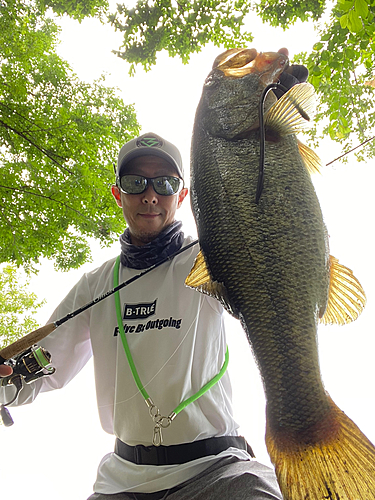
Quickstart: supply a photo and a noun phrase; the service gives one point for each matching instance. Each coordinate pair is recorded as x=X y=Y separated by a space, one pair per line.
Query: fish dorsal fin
x=310 y=159
x=293 y=111
x=200 y=279
x=346 y=298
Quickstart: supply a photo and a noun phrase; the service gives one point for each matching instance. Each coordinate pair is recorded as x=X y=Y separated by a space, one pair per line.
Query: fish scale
x=269 y=264
x=265 y=303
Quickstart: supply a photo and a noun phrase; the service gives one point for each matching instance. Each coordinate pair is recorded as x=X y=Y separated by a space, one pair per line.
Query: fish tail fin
x=333 y=462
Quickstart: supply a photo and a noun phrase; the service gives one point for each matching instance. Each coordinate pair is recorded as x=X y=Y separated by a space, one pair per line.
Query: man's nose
x=150 y=196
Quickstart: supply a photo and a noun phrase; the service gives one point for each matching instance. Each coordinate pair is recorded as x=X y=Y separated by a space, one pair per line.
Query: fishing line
x=262 y=136
x=351 y=150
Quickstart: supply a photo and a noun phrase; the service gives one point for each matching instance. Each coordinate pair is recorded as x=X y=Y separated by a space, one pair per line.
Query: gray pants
x=228 y=479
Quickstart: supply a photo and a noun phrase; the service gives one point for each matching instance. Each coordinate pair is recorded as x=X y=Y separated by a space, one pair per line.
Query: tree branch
x=39 y=195
x=42 y=150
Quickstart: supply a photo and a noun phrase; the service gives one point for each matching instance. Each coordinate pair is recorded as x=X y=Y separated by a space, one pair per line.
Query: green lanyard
x=159 y=420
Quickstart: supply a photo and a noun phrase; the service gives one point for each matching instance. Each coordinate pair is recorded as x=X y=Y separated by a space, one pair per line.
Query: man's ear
x=116 y=194
x=182 y=196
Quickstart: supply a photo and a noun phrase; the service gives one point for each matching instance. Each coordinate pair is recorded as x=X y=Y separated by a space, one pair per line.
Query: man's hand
x=296 y=73
x=5 y=371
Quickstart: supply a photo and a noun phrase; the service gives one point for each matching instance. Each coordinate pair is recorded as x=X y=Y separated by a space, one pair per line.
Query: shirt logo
x=139 y=311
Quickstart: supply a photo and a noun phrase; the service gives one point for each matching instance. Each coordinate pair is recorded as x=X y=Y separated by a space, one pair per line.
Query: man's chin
x=144 y=237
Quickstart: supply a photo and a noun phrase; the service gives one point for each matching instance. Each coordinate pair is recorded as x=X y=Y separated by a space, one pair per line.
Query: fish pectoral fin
x=293 y=111
x=200 y=279
x=310 y=159
x=346 y=299
x=199 y=275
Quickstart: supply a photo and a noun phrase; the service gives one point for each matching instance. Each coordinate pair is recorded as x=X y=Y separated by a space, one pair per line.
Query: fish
x=264 y=254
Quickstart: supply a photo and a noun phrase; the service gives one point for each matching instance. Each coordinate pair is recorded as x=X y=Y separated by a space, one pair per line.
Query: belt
x=179 y=453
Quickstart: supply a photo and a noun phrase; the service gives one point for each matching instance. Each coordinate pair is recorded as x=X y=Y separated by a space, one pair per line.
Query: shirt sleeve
x=69 y=346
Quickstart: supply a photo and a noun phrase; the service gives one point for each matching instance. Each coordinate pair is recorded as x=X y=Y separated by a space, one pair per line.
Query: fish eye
x=210 y=80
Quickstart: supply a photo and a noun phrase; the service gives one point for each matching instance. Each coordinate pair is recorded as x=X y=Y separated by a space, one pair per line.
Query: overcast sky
x=56 y=444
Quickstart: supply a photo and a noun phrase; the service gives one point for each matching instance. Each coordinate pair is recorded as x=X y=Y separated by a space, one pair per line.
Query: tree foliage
x=17 y=306
x=59 y=139
x=180 y=28
x=340 y=64
x=77 y=9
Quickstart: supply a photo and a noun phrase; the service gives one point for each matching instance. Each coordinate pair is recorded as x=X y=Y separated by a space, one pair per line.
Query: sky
x=55 y=445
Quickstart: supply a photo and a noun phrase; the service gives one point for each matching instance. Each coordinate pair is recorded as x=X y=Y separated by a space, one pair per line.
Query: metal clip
x=157 y=437
x=159 y=421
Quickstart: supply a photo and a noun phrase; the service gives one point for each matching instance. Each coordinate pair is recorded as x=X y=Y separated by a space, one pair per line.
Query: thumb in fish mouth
x=284 y=51
x=298 y=71
x=293 y=74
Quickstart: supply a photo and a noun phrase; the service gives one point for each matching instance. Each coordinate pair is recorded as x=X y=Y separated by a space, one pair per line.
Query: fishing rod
x=30 y=362
x=28 y=340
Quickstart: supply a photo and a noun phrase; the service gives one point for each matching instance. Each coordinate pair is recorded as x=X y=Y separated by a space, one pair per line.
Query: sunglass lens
x=133 y=184
x=167 y=185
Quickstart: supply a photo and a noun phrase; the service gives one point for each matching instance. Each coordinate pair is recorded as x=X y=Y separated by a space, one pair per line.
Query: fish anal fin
x=293 y=111
x=336 y=461
x=200 y=279
x=310 y=159
x=346 y=299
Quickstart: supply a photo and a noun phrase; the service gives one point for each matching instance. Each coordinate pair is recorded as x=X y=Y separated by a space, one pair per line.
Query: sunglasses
x=165 y=185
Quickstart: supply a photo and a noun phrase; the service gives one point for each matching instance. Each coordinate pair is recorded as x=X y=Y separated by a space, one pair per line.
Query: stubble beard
x=145 y=237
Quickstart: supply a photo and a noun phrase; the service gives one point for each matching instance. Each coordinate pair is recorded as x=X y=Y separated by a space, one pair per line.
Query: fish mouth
x=237 y=63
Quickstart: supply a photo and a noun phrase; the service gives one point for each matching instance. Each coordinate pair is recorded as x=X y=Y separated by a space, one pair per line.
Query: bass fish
x=264 y=254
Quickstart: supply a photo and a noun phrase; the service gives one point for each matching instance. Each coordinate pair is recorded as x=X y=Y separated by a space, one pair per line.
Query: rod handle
x=25 y=342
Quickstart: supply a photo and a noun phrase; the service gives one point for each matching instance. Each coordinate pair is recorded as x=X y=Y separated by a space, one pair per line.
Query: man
x=154 y=353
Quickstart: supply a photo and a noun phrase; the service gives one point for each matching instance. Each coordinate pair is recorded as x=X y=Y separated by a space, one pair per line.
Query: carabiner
x=157 y=437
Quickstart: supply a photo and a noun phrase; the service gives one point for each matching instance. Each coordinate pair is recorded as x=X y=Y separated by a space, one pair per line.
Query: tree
x=340 y=64
x=17 y=306
x=341 y=67
x=59 y=139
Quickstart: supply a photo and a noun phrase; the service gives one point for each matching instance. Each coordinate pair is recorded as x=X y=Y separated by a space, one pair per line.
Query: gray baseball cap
x=149 y=144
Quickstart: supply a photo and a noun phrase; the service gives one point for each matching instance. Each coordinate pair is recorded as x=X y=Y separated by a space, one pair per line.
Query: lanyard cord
x=159 y=420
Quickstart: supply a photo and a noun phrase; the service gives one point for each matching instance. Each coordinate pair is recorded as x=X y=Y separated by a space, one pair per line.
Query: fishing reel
x=28 y=366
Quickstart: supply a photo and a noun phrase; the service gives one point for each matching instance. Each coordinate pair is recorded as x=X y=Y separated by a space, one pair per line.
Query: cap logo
x=149 y=142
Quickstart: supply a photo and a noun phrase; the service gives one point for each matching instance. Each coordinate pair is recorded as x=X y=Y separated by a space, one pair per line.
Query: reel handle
x=26 y=342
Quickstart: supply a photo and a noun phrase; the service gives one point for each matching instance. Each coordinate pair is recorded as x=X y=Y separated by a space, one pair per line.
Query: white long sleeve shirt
x=177 y=340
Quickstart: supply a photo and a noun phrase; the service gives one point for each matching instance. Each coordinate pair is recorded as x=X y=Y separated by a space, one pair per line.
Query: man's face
x=148 y=213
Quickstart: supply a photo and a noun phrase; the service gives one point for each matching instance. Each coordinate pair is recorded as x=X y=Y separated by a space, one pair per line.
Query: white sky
x=56 y=443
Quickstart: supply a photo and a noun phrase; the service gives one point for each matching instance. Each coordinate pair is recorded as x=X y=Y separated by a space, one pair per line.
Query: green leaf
x=344 y=21
x=17 y=305
x=354 y=22
x=316 y=70
x=361 y=7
